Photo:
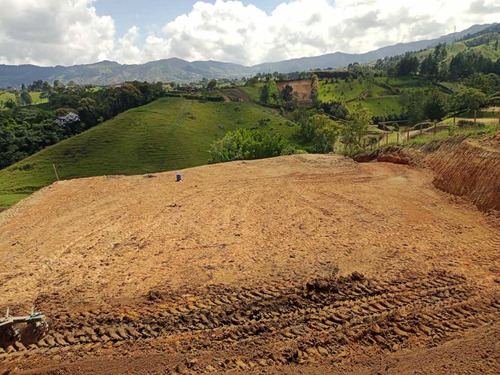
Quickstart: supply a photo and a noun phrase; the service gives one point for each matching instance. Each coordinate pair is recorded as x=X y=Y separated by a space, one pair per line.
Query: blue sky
x=153 y=14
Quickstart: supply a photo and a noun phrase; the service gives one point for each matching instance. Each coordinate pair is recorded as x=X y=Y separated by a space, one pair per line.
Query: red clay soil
x=302 y=88
x=302 y=264
x=471 y=170
x=466 y=167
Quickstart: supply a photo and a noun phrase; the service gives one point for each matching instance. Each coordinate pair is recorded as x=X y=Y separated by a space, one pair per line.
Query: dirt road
x=300 y=263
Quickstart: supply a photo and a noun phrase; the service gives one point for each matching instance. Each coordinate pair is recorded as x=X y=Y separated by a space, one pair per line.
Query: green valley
x=168 y=134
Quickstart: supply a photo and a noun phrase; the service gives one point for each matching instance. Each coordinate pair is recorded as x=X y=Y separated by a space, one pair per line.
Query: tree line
x=71 y=109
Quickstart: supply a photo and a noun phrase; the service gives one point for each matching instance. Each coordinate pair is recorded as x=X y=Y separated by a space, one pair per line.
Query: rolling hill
x=384 y=92
x=174 y=69
x=169 y=134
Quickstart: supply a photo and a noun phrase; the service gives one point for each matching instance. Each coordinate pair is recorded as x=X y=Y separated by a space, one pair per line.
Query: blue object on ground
x=179 y=177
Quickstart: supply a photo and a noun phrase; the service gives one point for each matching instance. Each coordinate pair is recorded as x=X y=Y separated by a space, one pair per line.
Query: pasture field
x=168 y=134
x=35 y=96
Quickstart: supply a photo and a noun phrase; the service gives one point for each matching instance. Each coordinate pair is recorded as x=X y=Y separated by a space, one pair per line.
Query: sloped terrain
x=170 y=133
x=307 y=263
x=464 y=166
x=471 y=170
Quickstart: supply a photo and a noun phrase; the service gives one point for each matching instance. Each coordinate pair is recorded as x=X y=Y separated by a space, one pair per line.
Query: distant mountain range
x=178 y=70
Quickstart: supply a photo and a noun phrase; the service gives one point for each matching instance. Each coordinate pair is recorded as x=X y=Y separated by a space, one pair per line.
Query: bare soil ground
x=302 y=264
x=302 y=88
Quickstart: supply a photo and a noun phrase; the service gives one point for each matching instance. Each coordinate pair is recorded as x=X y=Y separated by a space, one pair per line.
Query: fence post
x=475 y=116
x=408 y=138
x=435 y=126
x=55 y=171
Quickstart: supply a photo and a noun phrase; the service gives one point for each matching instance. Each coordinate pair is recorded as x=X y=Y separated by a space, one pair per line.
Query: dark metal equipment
x=26 y=330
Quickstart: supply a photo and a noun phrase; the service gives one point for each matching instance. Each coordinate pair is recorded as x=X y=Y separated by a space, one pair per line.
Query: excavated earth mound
x=306 y=264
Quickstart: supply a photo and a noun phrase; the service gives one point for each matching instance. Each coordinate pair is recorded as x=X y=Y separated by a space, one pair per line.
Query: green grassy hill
x=169 y=134
x=380 y=97
x=483 y=44
x=35 y=96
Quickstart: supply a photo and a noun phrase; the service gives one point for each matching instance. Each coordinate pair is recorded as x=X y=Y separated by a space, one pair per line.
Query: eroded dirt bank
x=466 y=167
x=305 y=263
x=472 y=170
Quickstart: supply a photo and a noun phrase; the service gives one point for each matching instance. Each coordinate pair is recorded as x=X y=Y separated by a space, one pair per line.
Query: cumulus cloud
x=234 y=32
x=69 y=31
x=53 y=32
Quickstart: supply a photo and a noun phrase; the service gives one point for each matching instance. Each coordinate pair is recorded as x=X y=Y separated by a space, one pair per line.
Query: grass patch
x=379 y=106
x=488 y=128
x=348 y=91
x=169 y=134
x=35 y=96
x=253 y=91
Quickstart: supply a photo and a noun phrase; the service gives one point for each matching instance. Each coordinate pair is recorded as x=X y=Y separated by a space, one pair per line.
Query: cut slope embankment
x=462 y=166
x=472 y=169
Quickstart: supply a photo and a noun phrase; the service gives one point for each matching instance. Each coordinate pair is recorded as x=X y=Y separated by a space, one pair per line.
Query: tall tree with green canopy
x=469 y=99
x=314 y=86
x=264 y=93
x=435 y=106
x=356 y=127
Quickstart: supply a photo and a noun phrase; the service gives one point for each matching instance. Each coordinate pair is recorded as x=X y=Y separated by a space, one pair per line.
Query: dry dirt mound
x=394 y=154
x=303 y=263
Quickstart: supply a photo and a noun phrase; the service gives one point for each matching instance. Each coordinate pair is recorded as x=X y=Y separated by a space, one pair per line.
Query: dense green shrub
x=243 y=144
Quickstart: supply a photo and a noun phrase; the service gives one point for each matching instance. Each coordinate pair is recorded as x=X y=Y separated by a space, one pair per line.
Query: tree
x=244 y=144
x=470 y=99
x=25 y=98
x=87 y=110
x=58 y=84
x=430 y=66
x=264 y=93
x=314 y=87
x=11 y=104
x=408 y=65
x=440 y=52
x=487 y=83
x=412 y=104
x=212 y=85
x=356 y=128
x=435 y=106
x=287 y=93
x=318 y=130
x=325 y=134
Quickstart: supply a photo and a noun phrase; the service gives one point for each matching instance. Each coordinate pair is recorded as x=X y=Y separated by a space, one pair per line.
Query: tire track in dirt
x=323 y=319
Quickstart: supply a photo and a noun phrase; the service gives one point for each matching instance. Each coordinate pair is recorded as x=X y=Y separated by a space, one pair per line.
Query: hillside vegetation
x=6 y=96
x=169 y=134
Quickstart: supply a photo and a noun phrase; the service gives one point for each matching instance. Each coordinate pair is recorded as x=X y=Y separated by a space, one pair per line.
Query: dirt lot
x=302 y=264
x=302 y=88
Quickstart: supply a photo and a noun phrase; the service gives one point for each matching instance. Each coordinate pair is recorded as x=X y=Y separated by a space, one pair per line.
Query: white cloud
x=69 y=31
x=230 y=31
x=48 y=32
